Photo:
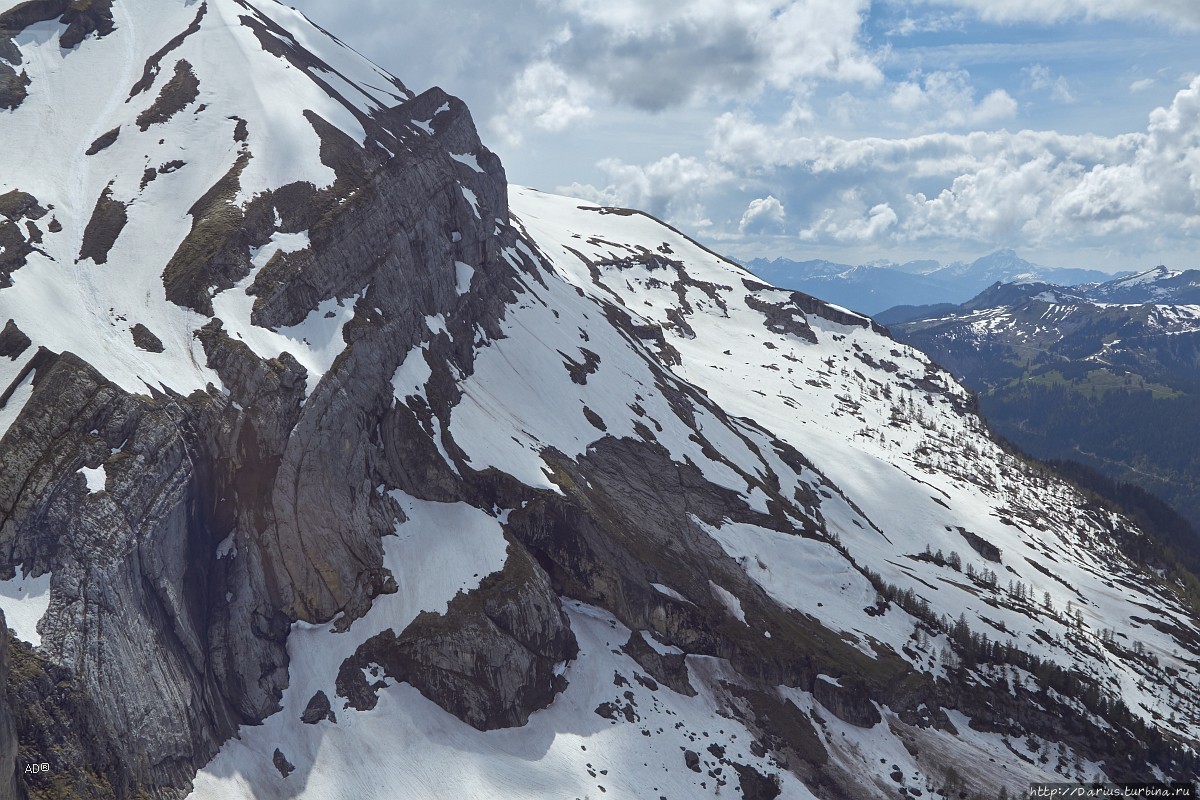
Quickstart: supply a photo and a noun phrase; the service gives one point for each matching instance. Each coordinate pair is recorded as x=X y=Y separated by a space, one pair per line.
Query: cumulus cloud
x=671 y=187
x=946 y=99
x=1039 y=78
x=764 y=215
x=747 y=92
x=648 y=56
x=983 y=188
x=712 y=48
x=849 y=220
x=543 y=97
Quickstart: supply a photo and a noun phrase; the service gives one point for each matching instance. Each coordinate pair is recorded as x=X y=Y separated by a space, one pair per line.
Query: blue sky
x=852 y=130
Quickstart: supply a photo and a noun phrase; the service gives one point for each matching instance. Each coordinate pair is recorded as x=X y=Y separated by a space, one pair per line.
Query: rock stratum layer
x=326 y=472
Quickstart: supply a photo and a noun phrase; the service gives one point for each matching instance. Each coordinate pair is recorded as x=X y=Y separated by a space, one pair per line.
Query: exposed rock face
x=284 y=766
x=12 y=341
x=669 y=669
x=8 y=731
x=81 y=18
x=131 y=584
x=12 y=87
x=59 y=725
x=177 y=94
x=282 y=469
x=107 y=222
x=755 y=785
x=144 y=339
x=318 y=709
x=489 y=660
x=848 y=702
x=19 y=234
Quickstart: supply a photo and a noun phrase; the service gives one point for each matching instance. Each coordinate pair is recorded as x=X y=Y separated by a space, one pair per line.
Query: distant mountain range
x=1107 y=374
x=874 y=287
x=1158 y=285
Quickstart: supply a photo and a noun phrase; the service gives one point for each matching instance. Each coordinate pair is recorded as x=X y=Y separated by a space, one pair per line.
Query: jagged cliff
x=325 y=473
x=8 y=732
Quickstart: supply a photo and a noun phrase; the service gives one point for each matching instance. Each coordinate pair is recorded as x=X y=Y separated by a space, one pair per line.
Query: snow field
x=909 y=468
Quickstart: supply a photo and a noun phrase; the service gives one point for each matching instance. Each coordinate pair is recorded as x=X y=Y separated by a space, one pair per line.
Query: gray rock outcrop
x=8 y=730
x=490 y=659
x=171 y=644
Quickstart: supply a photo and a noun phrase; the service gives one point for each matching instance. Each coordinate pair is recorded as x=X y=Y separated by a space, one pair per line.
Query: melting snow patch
x=417 y=751
x=352 y=93
x=412 y=375
x=227 y=549
x=24 y=601
x=757 y=500
x=280 y=243
x=669 y=592
x=510 y=255
x=463 y=273
x=468 y=159
x=442 y=549
x=731 y=603
x=659 y=647
x=95 y=477
x=315 y=343
x=436 y=424
x=473 y=199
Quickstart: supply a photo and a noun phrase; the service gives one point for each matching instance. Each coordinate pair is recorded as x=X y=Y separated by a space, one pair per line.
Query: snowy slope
x=65 y=302
x=897 y=476
x=916 y=466
x=1158 y=285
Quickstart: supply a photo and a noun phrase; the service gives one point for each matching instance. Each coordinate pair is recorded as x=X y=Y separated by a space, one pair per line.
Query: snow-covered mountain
x=878 y=286
x=1069 y=374
x=1159 y=285
x=1048 y=324
x=332 y=466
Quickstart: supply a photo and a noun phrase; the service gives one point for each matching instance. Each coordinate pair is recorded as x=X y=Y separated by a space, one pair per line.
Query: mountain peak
x=1003 y=254
x=179 y=90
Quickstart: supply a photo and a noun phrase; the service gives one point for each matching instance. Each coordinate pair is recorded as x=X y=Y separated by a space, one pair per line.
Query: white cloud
x=544 y=97
x=1040 y=79
x=1142 y=85
x=1026 y=188
x=670 y=188
x=714 y=47
x=764 y=215
x=933 y=23
x=849 y=220
x=542 y=66
x=946 y=99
